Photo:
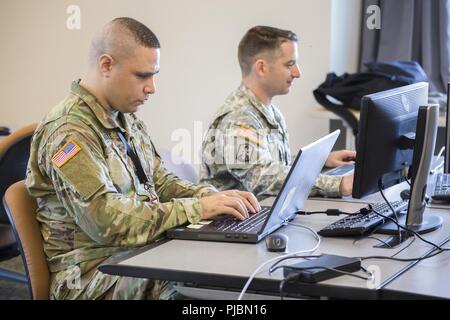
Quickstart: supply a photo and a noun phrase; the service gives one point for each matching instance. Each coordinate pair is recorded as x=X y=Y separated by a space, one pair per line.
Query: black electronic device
x=291 y=198
x=276 y=242
x=387 y=119
x=318 y=269
x=415 y=220
x=363 y=222
x=405 y=194
x=425 y=140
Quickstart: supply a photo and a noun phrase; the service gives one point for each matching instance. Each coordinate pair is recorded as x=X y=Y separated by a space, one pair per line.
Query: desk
x=217 y=265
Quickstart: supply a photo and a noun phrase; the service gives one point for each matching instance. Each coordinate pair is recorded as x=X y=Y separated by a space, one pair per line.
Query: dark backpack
x=348 y=89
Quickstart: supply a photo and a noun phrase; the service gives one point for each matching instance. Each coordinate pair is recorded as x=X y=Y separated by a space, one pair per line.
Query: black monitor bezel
x=360 y=182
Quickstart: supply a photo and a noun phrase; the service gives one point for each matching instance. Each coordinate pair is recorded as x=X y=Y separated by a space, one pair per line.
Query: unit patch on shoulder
x=249 y=134
x=67 y=152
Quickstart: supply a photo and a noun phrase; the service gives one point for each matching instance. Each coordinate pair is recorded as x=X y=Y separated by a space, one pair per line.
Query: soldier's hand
x=219 y=203
x=346 y=186
x=338 y=158
x=249 y=199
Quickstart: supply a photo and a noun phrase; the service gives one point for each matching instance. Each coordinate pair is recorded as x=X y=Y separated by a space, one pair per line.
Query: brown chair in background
x=21 y=210
x=14 y=154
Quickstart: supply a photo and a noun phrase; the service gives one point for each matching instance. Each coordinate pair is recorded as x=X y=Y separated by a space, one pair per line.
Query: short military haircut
x=259 y=40
x=141 y=33
x=120 y=37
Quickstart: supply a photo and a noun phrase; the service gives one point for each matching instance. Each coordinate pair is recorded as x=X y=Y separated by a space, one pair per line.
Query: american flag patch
x=67 y=152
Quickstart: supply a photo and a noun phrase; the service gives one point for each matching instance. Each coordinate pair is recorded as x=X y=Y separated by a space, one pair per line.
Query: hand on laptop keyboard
x=233 y=202
x=338 y=158
x=250 y=201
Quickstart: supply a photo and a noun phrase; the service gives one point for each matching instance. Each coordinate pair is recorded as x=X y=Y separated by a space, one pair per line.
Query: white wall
x=40 y=57
x=345 y=35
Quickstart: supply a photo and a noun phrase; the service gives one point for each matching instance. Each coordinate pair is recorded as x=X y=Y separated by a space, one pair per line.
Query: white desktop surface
x=218 y=263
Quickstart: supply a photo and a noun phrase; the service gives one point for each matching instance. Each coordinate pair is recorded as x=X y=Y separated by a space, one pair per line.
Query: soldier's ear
x=260 y=67
x=105 y=63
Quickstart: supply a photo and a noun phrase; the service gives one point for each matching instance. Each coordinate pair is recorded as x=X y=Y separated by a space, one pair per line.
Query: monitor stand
x=429 y=223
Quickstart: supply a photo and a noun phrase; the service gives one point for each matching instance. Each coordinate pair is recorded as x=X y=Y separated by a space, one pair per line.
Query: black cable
x=325 y=268
x=410 y=231
x=328 y=212
x=289 y=278
x=399 y=226
x=307 y=213
x=372 y=237
x=407 y=246
x=271 y=269
x=380 y=188
x=401 y=259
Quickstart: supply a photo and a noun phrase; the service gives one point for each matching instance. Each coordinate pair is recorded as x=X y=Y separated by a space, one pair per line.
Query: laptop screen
x=299 y=181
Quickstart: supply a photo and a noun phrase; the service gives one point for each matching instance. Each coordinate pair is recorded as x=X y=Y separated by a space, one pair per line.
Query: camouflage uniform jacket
x=91 y=204
x=247 y=147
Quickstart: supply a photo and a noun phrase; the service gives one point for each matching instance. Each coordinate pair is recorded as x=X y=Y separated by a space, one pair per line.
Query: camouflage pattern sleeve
x=327 y=186
x=253 y=158
x=248 y=157
x=169 y=186
x=108 y=216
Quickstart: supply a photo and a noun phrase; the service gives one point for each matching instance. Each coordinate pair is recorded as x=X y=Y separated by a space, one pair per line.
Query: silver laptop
x=295 y=190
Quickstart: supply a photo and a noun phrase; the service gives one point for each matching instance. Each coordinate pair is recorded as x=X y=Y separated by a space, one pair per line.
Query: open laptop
x=295 y=190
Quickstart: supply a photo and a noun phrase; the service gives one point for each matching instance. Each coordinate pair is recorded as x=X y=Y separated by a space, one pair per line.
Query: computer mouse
x=405 y=194
x=276 y=242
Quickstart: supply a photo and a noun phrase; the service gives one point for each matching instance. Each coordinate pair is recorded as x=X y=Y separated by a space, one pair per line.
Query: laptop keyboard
x=231 y=224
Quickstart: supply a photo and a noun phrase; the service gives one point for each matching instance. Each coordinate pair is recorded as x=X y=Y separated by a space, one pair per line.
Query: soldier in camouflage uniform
x=91 y=202
x=247 y=145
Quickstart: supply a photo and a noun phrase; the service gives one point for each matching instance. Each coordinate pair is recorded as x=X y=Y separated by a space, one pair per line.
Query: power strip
x=318 y=273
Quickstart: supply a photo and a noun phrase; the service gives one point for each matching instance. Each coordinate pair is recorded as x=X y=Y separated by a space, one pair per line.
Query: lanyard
x=137 y=164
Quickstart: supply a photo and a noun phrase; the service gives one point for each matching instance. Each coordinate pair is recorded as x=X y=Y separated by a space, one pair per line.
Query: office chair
x=21 y=210
x=179 y=166
x=4 y=131
x=14 y=154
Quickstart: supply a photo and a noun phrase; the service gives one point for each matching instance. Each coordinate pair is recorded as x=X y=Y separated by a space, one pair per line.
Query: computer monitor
x=425 y=140
x=384 y=153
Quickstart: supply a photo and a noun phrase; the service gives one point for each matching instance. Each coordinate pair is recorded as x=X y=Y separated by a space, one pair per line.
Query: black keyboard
x=251 y=223
x=442 y=187
x=360 y=223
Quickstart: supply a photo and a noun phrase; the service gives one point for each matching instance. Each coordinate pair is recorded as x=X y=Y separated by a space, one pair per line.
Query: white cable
x=435 y=169
x=250 y=279
x=440 y=153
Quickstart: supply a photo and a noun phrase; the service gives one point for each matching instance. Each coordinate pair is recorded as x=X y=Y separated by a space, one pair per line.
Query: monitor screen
x=385 y=117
